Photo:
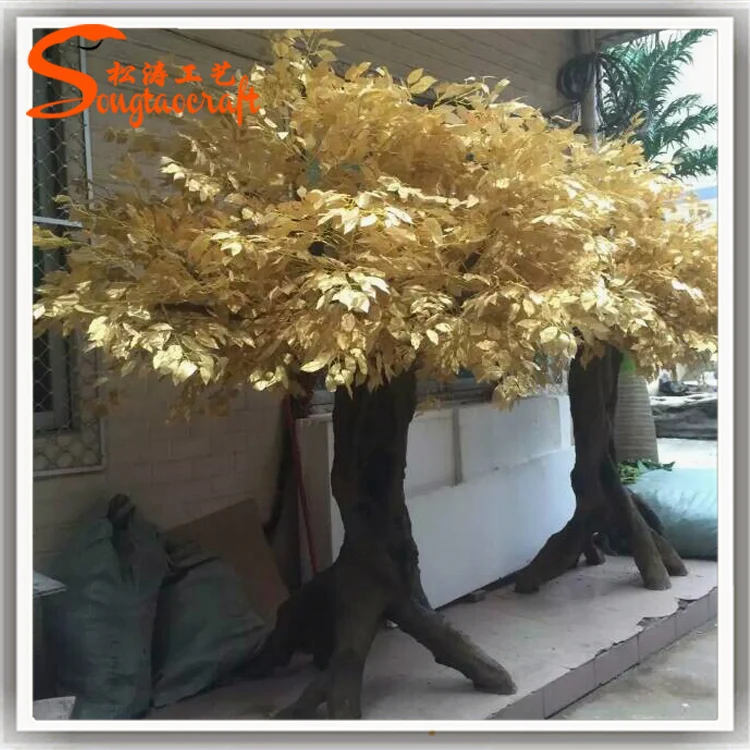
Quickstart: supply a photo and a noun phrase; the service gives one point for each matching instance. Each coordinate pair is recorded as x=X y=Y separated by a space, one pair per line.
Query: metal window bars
x=67 y=429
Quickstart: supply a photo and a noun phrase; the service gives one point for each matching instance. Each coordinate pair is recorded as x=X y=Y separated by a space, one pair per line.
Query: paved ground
x=554 y=643
x=679 y=682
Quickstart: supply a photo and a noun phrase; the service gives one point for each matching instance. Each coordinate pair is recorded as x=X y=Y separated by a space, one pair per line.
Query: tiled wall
x=173 y=472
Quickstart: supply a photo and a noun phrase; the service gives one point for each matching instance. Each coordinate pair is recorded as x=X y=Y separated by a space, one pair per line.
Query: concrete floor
x=677 y=683
x=580 y=631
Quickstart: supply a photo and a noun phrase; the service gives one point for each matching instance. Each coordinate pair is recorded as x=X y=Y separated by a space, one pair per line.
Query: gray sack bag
x=687 y=503
x=100 y=630
x=205 y=628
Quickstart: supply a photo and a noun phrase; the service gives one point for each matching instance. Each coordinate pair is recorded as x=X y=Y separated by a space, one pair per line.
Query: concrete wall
x=179 y=473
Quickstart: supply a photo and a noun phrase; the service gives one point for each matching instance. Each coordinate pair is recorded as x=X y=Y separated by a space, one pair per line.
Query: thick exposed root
x=452 y=648
x=357 y=615
x=305 y=624
x=594 y=556
x=645 y=552
x=360 y=605
x=561 y=552
x=672 y=561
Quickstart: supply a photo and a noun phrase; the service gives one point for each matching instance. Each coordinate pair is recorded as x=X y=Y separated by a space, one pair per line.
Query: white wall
x=484 y=488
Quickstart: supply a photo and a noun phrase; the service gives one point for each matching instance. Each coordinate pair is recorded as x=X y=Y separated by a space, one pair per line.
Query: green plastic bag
x=101 y=628
x=205 y=628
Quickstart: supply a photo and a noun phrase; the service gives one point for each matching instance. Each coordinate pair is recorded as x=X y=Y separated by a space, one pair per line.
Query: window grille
x=67 y=431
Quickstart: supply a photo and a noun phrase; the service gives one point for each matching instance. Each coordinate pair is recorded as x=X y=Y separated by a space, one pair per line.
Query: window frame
x=70 y=425
x=59 y=355
x=46 y=178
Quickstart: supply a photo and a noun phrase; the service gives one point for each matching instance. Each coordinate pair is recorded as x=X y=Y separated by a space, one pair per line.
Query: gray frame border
x=739 y=10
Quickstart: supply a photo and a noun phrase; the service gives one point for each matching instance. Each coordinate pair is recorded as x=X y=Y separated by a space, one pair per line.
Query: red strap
x=302 y=495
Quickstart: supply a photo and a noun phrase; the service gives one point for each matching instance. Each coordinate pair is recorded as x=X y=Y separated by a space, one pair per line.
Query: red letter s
x=94 y=32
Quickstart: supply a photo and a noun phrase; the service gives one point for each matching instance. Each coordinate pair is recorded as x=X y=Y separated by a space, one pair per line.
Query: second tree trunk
x=602 y=503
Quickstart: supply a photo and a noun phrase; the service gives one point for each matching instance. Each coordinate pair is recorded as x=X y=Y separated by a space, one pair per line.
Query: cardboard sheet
x=235 y=534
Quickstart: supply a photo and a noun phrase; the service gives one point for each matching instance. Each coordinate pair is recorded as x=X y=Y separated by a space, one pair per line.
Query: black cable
x=599 y=69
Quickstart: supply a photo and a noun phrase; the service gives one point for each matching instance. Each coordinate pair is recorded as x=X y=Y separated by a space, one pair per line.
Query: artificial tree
x=350 y=231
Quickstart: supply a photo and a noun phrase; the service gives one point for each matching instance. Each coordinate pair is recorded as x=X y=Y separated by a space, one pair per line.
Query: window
x=67 y=432
x=51 y=352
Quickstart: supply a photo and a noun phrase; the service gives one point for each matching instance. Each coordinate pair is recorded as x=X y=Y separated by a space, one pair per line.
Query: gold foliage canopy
x=347 y=229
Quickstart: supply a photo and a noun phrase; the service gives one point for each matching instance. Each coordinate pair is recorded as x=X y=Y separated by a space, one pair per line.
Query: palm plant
x=654 y=64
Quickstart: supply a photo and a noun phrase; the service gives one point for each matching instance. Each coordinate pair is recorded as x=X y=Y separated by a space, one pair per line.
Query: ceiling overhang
x=608 y=37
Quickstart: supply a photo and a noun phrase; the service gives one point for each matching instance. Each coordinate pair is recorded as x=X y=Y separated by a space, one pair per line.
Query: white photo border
x=24 y=398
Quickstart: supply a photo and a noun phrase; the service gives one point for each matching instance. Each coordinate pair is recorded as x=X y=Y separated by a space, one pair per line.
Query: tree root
x=561 y=553
x=654 y=556
x=452 y=648
x=672 y=561
x=336 y=616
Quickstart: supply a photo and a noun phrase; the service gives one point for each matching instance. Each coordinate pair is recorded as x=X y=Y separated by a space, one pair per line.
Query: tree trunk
x=602 y=503
x=336 y=616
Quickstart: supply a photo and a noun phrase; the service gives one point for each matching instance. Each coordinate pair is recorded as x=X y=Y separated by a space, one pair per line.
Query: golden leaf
x=344 y=226
x=434 y=229
x=588 y=300
x=355 y=71
x=316 y=364
x=414 y=76
x=548 y=334
x=422 y=85
x=398 y=214
x=184 y=370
